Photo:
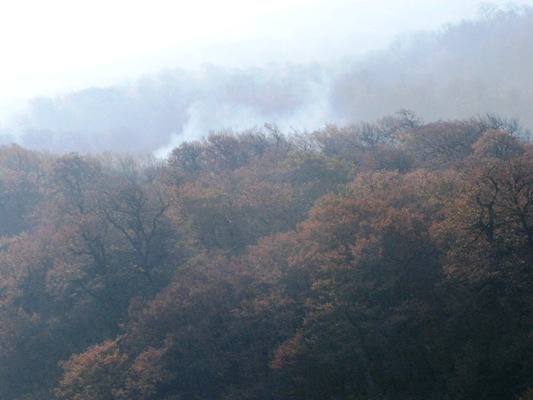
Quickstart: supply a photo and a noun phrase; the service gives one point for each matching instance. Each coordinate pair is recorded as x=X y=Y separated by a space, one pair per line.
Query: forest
x=384 y=260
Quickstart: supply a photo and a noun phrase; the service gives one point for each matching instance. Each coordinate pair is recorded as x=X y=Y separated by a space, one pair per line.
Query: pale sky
x=59 y=45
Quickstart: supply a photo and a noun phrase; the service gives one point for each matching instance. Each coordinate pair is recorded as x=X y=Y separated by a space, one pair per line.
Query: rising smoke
x=466 y=69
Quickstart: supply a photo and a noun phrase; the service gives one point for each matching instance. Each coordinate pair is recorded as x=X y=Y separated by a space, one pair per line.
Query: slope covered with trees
x=385 y=260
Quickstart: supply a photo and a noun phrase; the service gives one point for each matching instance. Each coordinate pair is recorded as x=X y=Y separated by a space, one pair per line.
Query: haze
x=59 y=45
x=142 y=77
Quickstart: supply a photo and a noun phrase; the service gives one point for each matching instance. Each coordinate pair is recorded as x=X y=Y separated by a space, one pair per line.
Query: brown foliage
x=383 y=260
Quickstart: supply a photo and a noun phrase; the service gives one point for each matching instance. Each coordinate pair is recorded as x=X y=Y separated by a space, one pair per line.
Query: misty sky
x=61 y=45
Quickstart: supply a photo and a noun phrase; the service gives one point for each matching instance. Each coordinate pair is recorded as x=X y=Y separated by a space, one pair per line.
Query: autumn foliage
x=387 y=260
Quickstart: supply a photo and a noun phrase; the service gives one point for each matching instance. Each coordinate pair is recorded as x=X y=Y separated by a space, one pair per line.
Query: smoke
x=292 y=97
x=158 y=112
x=462 y=70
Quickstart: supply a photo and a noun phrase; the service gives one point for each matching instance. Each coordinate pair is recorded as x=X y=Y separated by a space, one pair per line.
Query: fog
x=473 y=65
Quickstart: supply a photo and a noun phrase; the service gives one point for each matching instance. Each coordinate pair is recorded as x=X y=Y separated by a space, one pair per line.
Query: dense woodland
x=384 y=260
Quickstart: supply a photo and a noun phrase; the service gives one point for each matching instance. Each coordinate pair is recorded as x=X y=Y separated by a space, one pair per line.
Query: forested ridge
x=383 y=260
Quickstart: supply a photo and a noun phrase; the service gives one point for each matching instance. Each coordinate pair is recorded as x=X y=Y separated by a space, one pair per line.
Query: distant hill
x=474 y=67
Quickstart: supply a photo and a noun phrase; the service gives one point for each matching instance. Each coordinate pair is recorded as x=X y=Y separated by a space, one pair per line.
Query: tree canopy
x=384 y=260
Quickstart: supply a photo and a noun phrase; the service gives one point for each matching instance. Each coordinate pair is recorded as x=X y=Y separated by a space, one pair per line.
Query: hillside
x=384 y=260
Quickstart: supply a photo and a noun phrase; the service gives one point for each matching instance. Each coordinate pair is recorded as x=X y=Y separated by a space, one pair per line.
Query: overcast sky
x=59 y=45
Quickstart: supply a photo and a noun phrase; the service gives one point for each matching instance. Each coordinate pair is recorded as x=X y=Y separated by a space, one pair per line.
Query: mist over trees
x=288 y=241
x=474 y=67
x=471 y=68
x=159 y=112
